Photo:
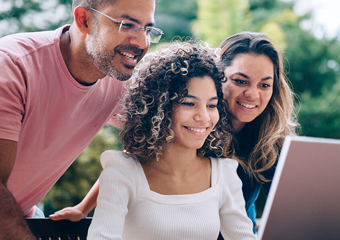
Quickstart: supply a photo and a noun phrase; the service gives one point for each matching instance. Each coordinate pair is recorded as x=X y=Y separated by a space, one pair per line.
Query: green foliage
x=271 y=17
x=217 y=19
x=309 y=60
x=174 y=17
x=320 y=116
x=33 y=15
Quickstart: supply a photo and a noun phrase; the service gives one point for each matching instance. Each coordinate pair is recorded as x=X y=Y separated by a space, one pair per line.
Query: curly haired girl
x=171 y=183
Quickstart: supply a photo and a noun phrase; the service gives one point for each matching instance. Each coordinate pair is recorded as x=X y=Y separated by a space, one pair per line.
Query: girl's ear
x=83 y=19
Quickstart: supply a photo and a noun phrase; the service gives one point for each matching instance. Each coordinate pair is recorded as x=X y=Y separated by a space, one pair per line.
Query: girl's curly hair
x=156 y=89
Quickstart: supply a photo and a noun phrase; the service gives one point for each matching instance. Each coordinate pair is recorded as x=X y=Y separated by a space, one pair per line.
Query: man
x=57 y=91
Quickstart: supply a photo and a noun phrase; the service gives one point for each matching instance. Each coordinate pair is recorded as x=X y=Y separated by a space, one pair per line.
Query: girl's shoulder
x=117 y=159
x=225 y=163
x=224 y=169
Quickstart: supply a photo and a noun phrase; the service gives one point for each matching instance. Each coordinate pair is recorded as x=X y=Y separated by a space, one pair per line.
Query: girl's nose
x=202 y=115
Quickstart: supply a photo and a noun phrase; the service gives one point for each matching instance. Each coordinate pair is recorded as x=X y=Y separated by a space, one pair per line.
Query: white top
x=127 y=208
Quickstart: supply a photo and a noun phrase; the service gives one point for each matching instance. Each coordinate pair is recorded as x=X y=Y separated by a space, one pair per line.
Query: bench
x=46 y=229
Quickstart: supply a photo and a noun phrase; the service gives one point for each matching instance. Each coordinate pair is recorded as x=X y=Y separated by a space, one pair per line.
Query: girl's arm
x=235 y=223
x=81 y=210
x=118 y=189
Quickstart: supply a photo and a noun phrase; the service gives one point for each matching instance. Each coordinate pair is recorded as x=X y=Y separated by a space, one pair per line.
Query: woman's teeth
x=246 y=105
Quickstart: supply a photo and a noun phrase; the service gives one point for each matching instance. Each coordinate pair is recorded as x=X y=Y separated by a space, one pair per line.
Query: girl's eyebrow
x=196 y=98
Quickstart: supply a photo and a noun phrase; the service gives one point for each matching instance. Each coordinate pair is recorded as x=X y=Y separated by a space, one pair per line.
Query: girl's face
x=249 y=87
x=197 y=115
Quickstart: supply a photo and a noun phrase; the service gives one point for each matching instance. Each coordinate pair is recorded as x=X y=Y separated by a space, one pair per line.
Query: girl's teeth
x=197 y=130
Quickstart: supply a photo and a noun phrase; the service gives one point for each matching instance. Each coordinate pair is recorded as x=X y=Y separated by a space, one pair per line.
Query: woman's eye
x=265 y=85
x=240 y=82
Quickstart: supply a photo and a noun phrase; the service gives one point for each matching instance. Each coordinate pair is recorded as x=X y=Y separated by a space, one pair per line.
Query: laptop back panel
x=304 y=200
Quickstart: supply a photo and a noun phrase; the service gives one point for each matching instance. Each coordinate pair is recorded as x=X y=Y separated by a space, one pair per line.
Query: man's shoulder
x=21 y=44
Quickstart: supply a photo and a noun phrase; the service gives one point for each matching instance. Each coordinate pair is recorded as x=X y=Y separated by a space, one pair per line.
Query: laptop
x=304 y=199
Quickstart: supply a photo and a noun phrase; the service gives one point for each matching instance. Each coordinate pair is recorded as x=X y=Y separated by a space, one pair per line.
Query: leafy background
x=311 y=63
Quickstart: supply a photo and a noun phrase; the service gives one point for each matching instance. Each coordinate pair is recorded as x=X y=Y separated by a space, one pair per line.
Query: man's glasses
x=132 y=28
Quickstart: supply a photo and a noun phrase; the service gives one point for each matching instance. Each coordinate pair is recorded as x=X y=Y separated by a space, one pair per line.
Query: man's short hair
x=90 y=3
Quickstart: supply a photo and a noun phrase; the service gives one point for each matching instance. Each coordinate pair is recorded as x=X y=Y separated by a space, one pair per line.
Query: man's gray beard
x=102 y=59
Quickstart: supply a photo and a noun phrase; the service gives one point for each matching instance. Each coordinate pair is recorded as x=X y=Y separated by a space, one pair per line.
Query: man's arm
x=12 y=223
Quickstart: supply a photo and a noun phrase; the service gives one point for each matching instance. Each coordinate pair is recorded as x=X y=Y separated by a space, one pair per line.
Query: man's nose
x=140 y=39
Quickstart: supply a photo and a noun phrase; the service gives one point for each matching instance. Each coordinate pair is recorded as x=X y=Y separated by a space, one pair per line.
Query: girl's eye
x=190 y=104
x=212 y=106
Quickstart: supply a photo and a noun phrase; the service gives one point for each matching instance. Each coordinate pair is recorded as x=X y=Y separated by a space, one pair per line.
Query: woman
x=261 y=109
x=170 y=183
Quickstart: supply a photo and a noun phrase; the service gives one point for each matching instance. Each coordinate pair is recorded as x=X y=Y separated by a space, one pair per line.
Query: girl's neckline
x=145 y=184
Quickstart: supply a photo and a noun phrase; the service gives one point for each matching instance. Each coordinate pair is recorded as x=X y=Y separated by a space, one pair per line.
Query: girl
x=171 y=182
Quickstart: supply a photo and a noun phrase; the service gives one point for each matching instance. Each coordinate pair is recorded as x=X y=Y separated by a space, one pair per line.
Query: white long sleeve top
x=127 y=208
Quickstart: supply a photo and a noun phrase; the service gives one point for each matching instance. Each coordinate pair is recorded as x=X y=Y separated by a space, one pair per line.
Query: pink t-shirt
x=51 y=116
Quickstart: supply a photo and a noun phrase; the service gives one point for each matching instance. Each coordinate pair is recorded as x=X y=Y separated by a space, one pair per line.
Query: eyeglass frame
x=137 y=26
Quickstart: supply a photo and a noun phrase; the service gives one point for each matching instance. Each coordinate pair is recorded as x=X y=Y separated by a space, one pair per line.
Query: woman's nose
x=251 y=93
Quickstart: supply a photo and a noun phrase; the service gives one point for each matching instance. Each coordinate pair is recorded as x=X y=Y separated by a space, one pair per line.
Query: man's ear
x=83 y=19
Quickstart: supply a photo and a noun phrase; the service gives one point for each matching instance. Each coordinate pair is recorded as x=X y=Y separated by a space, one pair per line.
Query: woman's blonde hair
x=278 y=120
x=156 y=89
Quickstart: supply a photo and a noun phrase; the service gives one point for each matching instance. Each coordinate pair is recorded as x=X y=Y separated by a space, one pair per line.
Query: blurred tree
x=174 y=17
x=33 y=15
x=218 y=19
x=307 y=56
x=13 y=12
x=271 y=17
x=313 y=62
x=321 y=115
